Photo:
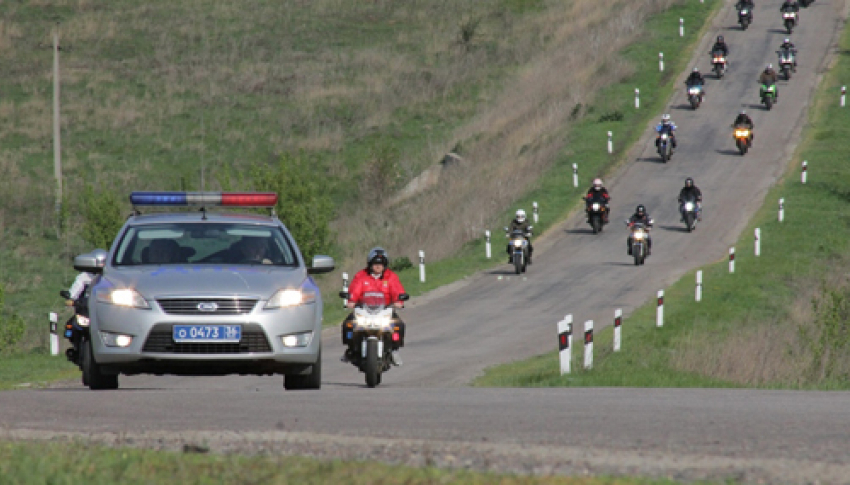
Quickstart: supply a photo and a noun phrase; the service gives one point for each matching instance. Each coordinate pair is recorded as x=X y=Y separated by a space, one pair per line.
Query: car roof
x=205 y=217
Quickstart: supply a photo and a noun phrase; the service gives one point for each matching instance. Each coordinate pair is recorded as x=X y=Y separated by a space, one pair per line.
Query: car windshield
x=204 y=243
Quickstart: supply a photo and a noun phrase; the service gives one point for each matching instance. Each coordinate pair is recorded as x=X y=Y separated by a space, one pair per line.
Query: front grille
x=223 y=306
x=160 y=341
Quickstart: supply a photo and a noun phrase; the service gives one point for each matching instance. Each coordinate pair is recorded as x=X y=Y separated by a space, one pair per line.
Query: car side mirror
x=343 y=295
x=321 y=264
x=88 y=263
x=403 y=297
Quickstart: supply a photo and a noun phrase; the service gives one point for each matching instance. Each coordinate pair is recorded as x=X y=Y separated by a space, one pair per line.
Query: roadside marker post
x=843 y=95
x=54 y=337
x=618 y=322
x=661 y=61
x=565 y=343
x=575 y=175
x=681 y=27
x=422 y=266
x=698 y=290
x=610 y=142
x=488 y=248
x=637 y=98
x=803 y=173
x=757 y=242
x=535 y=211
x=732 y=259
x=588 y=344
x=345 y=288
x=659 y=312
x=781 y=210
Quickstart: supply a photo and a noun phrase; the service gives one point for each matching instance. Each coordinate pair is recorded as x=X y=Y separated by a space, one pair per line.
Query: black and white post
x=803 y=172
x=610 y=142
x=588 y=344
x=618 y=322
x=732 y=259
x=565 y=343
x=575 y=175
x=781 y=210
x=54 y=337
x=422 y=266
x=637 y=98
x=487 y=248
x=659 y=311
x=681 y=27
x=843 y=95
x=757 y=243
x=535 y=211
x=698 y=289
x=661 y=61
x=345 y=288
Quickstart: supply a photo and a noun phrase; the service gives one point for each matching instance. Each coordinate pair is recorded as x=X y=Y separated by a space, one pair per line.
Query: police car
x=202 y=293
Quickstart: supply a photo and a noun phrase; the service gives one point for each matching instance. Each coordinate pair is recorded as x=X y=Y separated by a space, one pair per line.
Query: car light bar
x=232 y=199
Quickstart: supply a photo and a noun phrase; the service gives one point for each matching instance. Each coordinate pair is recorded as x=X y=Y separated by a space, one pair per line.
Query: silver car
x=197 y=293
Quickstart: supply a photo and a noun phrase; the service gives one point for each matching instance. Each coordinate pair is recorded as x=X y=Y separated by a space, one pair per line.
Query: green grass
x=34 y=370
x=51 y=463
x=780 y=319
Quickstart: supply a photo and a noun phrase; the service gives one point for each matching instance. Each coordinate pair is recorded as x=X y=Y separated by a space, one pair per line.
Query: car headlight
x=302 y=339
x=290 y=297
x=116 y=339
x=123 y=297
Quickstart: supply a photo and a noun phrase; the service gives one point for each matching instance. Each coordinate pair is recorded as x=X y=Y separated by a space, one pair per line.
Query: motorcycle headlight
x=639 y=235
x=693 y=91
x=82 y=321
x=742 y=133
x=290 y=297
x=596 y=206
x=689 y=206
x=664 y=136
x=123 y=297
x=517 y=243
x=744 y=12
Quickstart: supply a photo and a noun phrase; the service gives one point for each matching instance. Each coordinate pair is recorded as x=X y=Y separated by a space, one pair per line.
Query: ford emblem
x=207 y=306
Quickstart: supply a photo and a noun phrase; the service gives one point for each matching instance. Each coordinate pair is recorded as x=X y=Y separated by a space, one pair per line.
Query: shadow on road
x=778 y=31
x=674 y=228
x=728 y=152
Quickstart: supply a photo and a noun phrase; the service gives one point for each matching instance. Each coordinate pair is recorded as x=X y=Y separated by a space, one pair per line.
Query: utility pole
x=57 y=144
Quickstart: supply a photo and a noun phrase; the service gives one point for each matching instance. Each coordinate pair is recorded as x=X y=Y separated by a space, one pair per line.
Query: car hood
x=205 y=281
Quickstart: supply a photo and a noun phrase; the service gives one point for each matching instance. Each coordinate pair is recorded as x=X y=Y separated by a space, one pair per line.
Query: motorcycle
x=690 y=213
x=695 y=93
x=77 y=327
x=718 y=63
x=665 y=147
x=519 y=248
x=790 y=19
x=768 y=95
x=745 y=17
x=640 y=242
x=597 y=212
x=743 y=138
x=374 y=329
x=786 y=63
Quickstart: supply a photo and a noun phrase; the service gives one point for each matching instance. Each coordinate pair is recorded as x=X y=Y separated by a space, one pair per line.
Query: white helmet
x=597 y=183
x=769 y=66
x=520 y=215
x=665 y=118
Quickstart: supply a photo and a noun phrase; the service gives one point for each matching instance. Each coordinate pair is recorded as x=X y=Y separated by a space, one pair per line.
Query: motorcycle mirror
x=652 y=221
x=343 y=295
x=65 y=294
x=506 y=228
x=403 y=297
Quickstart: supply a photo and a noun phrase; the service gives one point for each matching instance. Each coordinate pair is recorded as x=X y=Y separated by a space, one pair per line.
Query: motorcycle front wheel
x=742 y=147
x=372 y=368
x=596 y=224
x=689 y=221
x=768 y=102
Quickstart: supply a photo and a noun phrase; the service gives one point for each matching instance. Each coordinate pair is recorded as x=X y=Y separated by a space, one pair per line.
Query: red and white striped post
x=618 y=322
x=659 y=312
x=803 y=173
x=53 y=318
x=565 y=343
x=698 y=290
x=345 y=289
x=781 y=210
x=758 y=242
x=588 y=344
x=843 y=95
x=732 y=259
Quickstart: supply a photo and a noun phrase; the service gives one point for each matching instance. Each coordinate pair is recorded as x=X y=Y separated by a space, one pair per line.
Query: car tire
x=92 y=373
x=310 y=381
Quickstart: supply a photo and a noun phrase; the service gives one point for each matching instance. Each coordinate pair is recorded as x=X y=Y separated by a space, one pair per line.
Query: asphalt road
x=422 y=413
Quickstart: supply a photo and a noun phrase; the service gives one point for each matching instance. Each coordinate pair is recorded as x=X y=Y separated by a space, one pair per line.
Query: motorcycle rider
x=790 y=6
x=789 y=46
x=720 y=45
x=598 y=193
x=768 y=77
x=743 y=119
x=695 y=78
x=666 y=126
x=691 y=192
x=641 y=216
x=749 y=5
x=376 y=277
x=520 y=222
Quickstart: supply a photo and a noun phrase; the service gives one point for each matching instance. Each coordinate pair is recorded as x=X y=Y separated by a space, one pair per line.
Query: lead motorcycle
x=743 y=138
x=639 y=242
x=374 y=327
x=745 y=17
x=597 y=213
x=519 y=248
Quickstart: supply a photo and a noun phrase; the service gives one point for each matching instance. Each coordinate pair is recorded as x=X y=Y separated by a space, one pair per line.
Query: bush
x=11 y=327
x=400 y=263
x=102 y=214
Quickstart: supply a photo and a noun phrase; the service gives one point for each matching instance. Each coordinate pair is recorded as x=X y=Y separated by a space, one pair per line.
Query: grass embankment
x=781 y=320
x=42 y=463
x=37 y=274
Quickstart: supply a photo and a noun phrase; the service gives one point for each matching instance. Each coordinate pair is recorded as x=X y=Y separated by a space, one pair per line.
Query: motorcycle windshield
x=374 y=301
x=689 y=198
x=517 y=234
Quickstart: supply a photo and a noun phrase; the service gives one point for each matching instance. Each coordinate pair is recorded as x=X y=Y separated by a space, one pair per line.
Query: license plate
x=207 y=333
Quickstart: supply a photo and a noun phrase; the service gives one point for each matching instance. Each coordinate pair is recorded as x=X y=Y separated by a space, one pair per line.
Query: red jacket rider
x=364 y=282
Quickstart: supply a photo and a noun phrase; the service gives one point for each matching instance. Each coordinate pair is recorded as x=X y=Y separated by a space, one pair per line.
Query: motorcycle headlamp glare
x=596 y=206
x=82 y=321
x=517 y=242
x=639 y=235
x=689 y=206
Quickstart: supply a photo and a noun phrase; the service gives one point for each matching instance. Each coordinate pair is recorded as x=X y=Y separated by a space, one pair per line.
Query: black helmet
x=378 y=255
x=719 y=38
x=640 y=210
x=689 y=182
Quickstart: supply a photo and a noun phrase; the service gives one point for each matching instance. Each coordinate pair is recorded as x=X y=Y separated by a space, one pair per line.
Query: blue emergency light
x=230 y=199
